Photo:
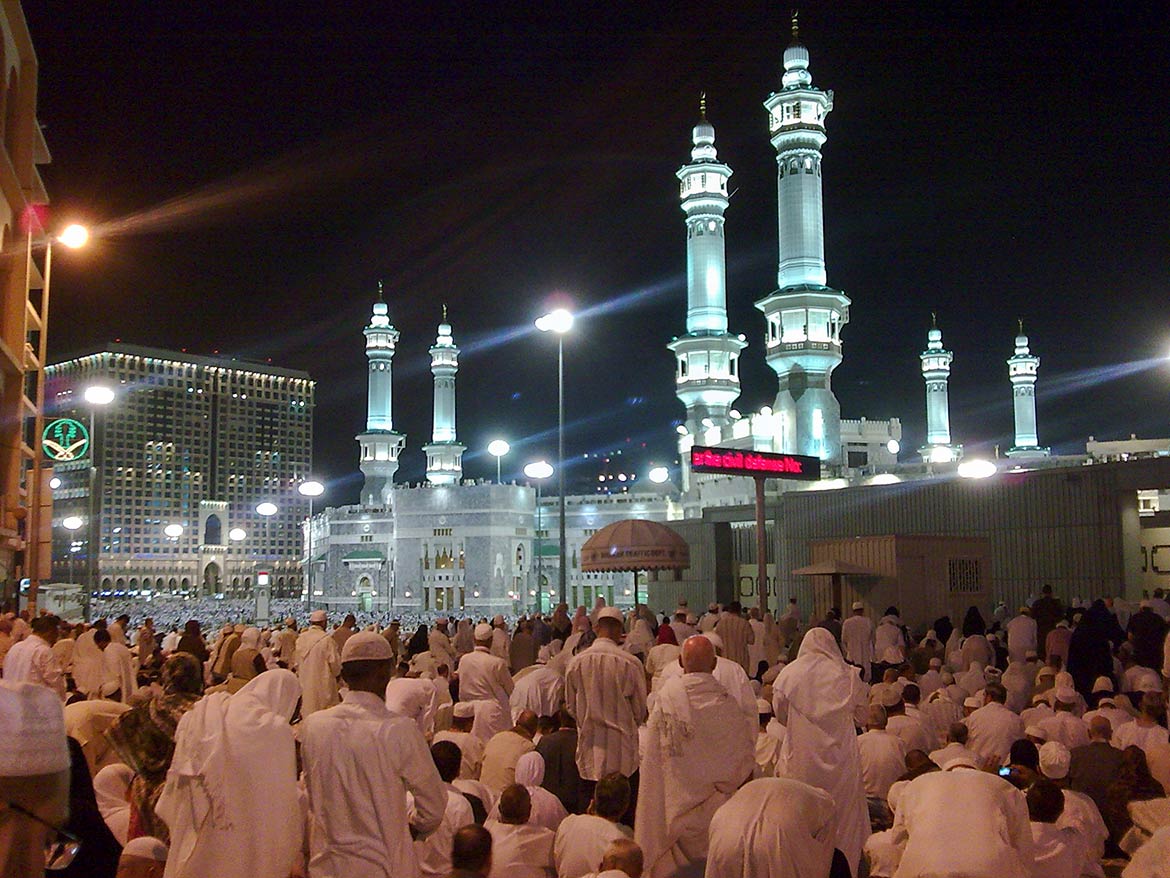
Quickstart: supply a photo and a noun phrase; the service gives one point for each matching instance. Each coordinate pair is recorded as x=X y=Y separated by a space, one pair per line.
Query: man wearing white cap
x=993 y=727
x=857 y=639
x=932 y=679
x=605 y=689
x=501 y=643
x=1064 y=726
x=460 y=734
x=1080 y=814
x=1107 y=705
x=34 y=775
x=318 y=664
x=484 y=679
x=360 y=761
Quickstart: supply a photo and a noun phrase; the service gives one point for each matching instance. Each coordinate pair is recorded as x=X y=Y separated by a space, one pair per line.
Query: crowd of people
x=606 y=744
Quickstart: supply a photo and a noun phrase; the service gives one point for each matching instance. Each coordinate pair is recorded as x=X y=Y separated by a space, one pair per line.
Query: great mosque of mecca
x=931 y=539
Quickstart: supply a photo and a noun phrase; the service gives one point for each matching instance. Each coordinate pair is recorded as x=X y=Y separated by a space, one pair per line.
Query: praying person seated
x=519 y=849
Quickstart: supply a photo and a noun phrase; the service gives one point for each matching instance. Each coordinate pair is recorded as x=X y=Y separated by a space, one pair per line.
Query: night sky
x=252 y=170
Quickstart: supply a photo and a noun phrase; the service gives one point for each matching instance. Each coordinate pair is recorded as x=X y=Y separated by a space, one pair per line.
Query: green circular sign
x=65 y=439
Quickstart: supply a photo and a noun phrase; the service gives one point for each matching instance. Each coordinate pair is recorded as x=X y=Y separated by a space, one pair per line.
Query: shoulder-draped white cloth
x=230 y=798
x=820 y=699
x=772 y=828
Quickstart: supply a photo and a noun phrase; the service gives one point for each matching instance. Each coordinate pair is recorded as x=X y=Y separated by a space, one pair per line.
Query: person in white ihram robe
x=993 y=839
x=773 y=828
x=235 y=761
x=694 y=761
x=88 y=665
x=318 y=664
x=484 y=680
x=857 y=639
x=541 y=689
x=118 y=672
x=820 y=699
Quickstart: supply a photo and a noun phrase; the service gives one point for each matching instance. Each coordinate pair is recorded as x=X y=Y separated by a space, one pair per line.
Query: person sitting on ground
x=582 y=839
x=1057 y=851
x=434 y=852
x=471 y=853
x=519 y=849
x=622 y=859
x=504 y=750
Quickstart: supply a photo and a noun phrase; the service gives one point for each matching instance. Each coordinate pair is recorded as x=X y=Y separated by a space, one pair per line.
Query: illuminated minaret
x=707 y=357
x=936 y=371
x=380 y=445
x=804 y=316
x=444 y=454
x=1022 y=369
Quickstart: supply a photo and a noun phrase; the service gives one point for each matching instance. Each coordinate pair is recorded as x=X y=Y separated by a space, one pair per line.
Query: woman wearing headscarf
x=418 y=642
x=145 y=739
x=547 y=810
x=111 y=788
x=247 y=664
x=973 y=622
x=561 y=624
x=821 y=700
x=1090 y=649
x=1132 y=783
x=640 y=639
x=662 y=654
x=100 y=850
x=236 y=755
x=464 y=638
x=192 y=642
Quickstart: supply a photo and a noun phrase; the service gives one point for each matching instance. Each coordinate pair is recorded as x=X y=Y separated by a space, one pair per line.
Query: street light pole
x=538 y=472
x=560 y=321
x=311 y=489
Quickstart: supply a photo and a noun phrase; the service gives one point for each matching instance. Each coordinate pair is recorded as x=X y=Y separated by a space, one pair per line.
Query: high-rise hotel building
x=165 y=480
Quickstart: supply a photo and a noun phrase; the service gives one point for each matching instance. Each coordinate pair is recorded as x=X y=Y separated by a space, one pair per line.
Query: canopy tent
x=836 y=569
x=635 y=544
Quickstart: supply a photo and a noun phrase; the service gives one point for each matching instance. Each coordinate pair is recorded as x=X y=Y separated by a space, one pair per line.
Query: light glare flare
x=540 y=469
x=99 y=394
x=559 y=321
x=74 y=236
x=266 y=508
x=72 y=522
x=311 y=488
x=498 y=448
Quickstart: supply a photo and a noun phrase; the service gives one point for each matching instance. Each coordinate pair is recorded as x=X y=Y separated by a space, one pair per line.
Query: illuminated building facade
x=707 y=357
x=936 y=372
x=21 y=301
x=1023 y=366
x=176 y=466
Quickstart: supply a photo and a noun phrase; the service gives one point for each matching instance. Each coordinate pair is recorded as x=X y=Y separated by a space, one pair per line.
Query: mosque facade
x=455 y=544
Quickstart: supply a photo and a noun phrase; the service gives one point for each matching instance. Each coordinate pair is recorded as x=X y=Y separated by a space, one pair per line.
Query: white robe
x=1058 y=852
x=118 y=673
x=235 y=761
x=541 y=690
x=994 y=729
x=693 y=763
x=857 y=641
x=883 y=761
x=995 y=840
x=820 y=699
x=318 y=664
x=484 y=678
x=415 y=699
x=88 y=665
x=773 y=828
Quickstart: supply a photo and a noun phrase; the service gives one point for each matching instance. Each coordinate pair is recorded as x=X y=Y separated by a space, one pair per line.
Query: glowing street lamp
x=538 y=471
x=659 y=475
x=559 y=322
x=497 y=448
x=311 y=489
x=174 y=531
x=266 y=509
x=72 y=236
x=99 y=394
x=237 y=534
x=72 y=523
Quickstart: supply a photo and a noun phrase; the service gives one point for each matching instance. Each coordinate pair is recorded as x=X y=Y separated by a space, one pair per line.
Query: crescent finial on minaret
x=444 y=312
x=933 y=320
x=795 y=26
x=703 y=106
x=380 y=297
x=1020 y=320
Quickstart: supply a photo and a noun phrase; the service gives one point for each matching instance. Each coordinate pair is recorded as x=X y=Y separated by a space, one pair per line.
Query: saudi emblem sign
x=65 y=439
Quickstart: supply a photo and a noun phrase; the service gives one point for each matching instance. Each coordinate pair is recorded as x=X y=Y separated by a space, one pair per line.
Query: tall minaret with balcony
x=707 y=357
x=1022 y=369
x=380 y=445
x=804 y=316
x=936 y=371
x=444 y=454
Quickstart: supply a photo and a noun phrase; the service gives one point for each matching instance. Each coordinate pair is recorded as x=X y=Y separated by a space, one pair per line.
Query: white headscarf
x=235 y=759
x=641 y=640
x=110 y=787
x=547 y=810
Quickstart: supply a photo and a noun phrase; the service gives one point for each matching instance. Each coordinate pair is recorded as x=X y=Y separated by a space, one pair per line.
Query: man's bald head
x=624 y=855
x=698 y=655
x=526 y=723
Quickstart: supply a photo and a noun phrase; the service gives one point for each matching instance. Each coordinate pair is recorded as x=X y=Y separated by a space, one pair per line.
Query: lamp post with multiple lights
x=538 y=471
x=96 y=396
x=560 y=322
x=311 y=489
x=497 y=448
x=72 y=524
x=72 y=236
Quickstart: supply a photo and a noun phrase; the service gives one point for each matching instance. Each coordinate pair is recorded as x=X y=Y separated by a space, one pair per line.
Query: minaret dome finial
x=703 y=106
x=795 y=26
x=381 y=298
